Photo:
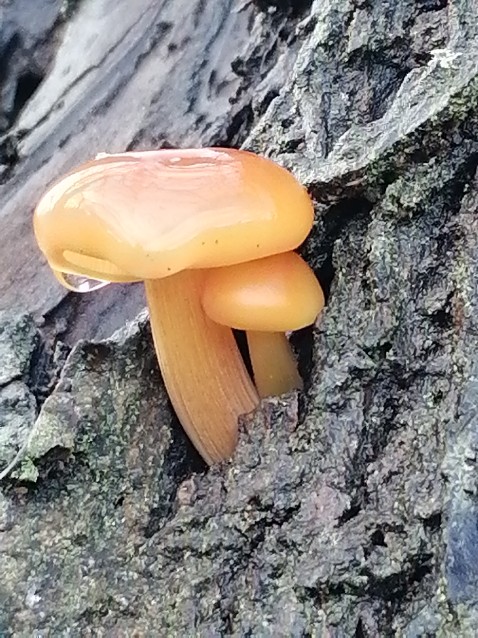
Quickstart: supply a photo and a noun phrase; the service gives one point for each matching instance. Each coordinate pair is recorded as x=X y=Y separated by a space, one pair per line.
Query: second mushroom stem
x=201 y=365
x=273 y=363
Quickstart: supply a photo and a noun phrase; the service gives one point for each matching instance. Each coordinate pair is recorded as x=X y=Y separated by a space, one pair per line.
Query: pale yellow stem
x=201 y=365
x=273 y=363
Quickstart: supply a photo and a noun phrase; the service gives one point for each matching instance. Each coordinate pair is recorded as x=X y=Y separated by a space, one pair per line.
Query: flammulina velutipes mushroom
x=211 y=233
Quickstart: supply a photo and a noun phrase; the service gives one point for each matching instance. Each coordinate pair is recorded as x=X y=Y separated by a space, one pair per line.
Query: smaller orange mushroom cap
x=151 y=214
x=275 y=294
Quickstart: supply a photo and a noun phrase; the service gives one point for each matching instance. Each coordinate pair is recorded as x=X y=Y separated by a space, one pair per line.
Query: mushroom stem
x=201 y=365
x=273 y=363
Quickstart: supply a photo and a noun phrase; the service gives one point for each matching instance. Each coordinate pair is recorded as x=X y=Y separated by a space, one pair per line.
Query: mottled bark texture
x=351 y=510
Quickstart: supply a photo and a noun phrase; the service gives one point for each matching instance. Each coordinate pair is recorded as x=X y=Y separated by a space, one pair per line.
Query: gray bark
x=350 y=510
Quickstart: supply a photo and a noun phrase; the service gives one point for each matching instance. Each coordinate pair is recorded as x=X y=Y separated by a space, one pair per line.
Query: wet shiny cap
x=147 y=215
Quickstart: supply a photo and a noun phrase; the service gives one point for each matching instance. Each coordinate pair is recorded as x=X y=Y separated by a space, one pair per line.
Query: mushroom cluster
x=211 y=233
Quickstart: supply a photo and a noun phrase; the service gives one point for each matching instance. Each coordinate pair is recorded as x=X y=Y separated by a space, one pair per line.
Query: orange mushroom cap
x=267 y=298
x=151 y=214
x=274 y=294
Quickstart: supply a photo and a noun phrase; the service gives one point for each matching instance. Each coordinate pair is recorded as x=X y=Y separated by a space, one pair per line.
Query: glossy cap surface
x=151 y=214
